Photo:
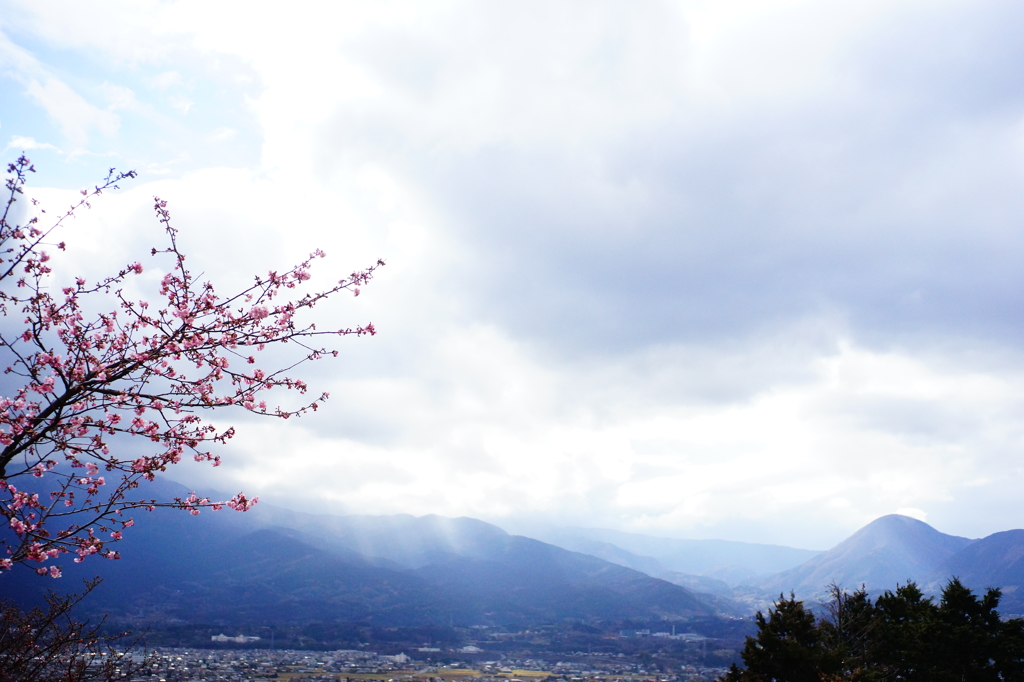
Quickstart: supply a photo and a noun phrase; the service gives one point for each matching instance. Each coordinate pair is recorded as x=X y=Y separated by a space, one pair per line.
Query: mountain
x=235 y=568
x=411 y=542
x=889 y=550
x=266 y=577
x=993 y=561
x=554 y=583
x=404 y=540
x=720 y=562
x=644 y=564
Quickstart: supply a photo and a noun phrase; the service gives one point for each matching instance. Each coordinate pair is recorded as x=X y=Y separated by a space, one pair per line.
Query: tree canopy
x=902 y=635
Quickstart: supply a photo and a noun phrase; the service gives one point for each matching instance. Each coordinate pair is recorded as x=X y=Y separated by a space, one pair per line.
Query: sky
x=726 y=269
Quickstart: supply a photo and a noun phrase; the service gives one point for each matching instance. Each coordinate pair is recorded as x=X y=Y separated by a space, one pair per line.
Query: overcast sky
x=748 y=270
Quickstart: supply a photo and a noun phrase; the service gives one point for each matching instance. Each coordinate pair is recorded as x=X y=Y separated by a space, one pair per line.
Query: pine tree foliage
x=902 y=636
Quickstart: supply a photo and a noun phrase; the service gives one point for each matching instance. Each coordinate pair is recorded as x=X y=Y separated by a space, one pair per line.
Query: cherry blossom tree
x=48 y=644
x=89 y=365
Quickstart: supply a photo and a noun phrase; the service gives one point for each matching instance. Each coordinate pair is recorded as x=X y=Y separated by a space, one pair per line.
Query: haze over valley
x=274 y=567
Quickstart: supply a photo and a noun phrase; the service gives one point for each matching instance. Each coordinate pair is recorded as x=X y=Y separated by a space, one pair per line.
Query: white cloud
x=181 y=103
x=913 y=513
x=129 y=32
x=21 y=143
x=740 y=268
x=74 y=115
x=478 y=427
x=165 y=80
x=118 y=97
x=221 y=134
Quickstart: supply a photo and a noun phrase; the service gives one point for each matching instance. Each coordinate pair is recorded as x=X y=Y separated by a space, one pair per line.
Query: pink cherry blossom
x=151 y=369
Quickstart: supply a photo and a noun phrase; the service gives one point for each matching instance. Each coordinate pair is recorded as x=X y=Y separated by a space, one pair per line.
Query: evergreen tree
x=903 y=636
x=970 y=642
x=846 y=634
x=902 y=627
x=787 y=648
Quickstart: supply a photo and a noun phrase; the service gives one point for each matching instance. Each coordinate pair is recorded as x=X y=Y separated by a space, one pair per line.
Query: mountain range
x=277 y=565
x=897 y=549
x=705 y=565
x=887 y=552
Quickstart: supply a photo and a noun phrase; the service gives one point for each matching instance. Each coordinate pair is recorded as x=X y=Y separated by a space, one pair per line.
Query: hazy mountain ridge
x=400 y=570
x=896 y=549
x=713 y=566
x=230 y=567
x=887 y=552
x=407 y=541
x=996 y=560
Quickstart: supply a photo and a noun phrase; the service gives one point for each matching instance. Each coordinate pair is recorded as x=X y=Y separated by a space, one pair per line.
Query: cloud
x=74 y=115
x=221 y=134
x=15 y=60
x=642 y=201
x=740 y=268
x=913 y=513
x=165 y=80
x=119 y=97
x=492 y=432
x=21 y=143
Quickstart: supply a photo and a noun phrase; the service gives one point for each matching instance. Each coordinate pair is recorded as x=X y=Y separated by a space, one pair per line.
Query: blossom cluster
x=87 y=380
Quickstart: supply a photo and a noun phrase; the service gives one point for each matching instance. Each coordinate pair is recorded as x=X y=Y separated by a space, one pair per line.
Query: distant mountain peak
x=891 y=549
x=897 y=522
